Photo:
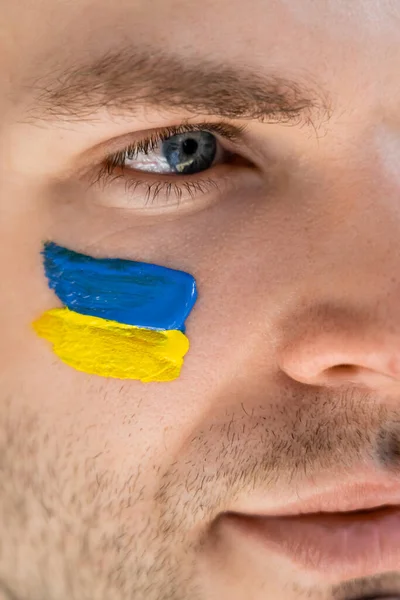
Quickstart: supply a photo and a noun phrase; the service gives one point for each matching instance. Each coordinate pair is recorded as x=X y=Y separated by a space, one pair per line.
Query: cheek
x=248 y=272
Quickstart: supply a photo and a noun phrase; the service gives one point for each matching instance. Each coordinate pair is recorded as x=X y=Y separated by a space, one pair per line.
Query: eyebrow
x=126 y=80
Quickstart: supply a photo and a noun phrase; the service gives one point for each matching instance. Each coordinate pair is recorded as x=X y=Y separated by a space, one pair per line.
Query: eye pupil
x=190 y=146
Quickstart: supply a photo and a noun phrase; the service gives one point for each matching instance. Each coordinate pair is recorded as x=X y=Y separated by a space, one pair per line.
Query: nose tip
x=332 y=360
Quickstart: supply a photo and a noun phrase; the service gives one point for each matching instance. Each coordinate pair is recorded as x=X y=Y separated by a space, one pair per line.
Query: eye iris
x=190 y=152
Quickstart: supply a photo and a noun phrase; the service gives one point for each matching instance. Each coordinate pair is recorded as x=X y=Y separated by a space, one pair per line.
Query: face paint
x=121 y=319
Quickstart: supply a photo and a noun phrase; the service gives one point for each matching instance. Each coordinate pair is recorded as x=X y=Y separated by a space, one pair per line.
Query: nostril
x=357 y=374
x=345 y=374
x=343 y=371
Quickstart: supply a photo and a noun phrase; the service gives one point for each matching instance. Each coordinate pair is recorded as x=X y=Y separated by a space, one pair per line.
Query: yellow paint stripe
x=111 y=349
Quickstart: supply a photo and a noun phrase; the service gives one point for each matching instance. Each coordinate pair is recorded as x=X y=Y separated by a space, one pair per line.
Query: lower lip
x=333 y=545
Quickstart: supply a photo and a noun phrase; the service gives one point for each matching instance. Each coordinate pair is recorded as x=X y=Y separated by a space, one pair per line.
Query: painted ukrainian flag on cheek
x=121 y=318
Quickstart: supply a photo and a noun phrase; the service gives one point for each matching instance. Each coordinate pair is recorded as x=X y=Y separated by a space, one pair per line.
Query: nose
x=344 y=327
x=333 y=344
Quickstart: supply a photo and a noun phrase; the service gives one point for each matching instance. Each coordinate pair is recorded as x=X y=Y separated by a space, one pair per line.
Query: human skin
x=113 y=489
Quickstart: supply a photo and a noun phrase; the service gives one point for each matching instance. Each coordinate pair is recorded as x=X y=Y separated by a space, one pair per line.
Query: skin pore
x=115 y=489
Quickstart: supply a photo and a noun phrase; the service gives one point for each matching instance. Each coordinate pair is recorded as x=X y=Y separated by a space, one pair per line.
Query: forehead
x=343 y=46
x=249 y=22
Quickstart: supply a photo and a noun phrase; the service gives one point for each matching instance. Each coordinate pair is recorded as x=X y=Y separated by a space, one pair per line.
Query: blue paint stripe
x=130 y=292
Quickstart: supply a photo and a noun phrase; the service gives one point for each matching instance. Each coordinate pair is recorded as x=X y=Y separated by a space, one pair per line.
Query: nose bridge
x=361 y=241
x=348 y=309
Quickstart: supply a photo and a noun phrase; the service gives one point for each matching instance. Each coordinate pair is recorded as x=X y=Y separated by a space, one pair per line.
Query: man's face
x=118 y=489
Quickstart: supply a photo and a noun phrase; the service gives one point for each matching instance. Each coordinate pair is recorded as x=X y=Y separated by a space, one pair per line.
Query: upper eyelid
x=227 y=131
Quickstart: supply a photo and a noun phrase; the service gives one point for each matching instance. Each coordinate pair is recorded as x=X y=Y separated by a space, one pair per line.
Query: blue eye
x=190 y=152
x=164 y=165
x=185 y=153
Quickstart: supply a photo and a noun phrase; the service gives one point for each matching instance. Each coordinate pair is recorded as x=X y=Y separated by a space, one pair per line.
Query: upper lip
x=345 y=498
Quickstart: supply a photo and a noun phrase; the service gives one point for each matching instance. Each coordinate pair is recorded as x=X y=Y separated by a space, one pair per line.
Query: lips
x=344 y=498
x=346 y=533
x=334 y=545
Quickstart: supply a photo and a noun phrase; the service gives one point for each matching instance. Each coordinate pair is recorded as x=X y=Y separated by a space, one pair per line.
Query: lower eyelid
x=122 y=191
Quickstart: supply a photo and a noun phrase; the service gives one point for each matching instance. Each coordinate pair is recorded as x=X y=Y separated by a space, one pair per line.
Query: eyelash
x=115 y=161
